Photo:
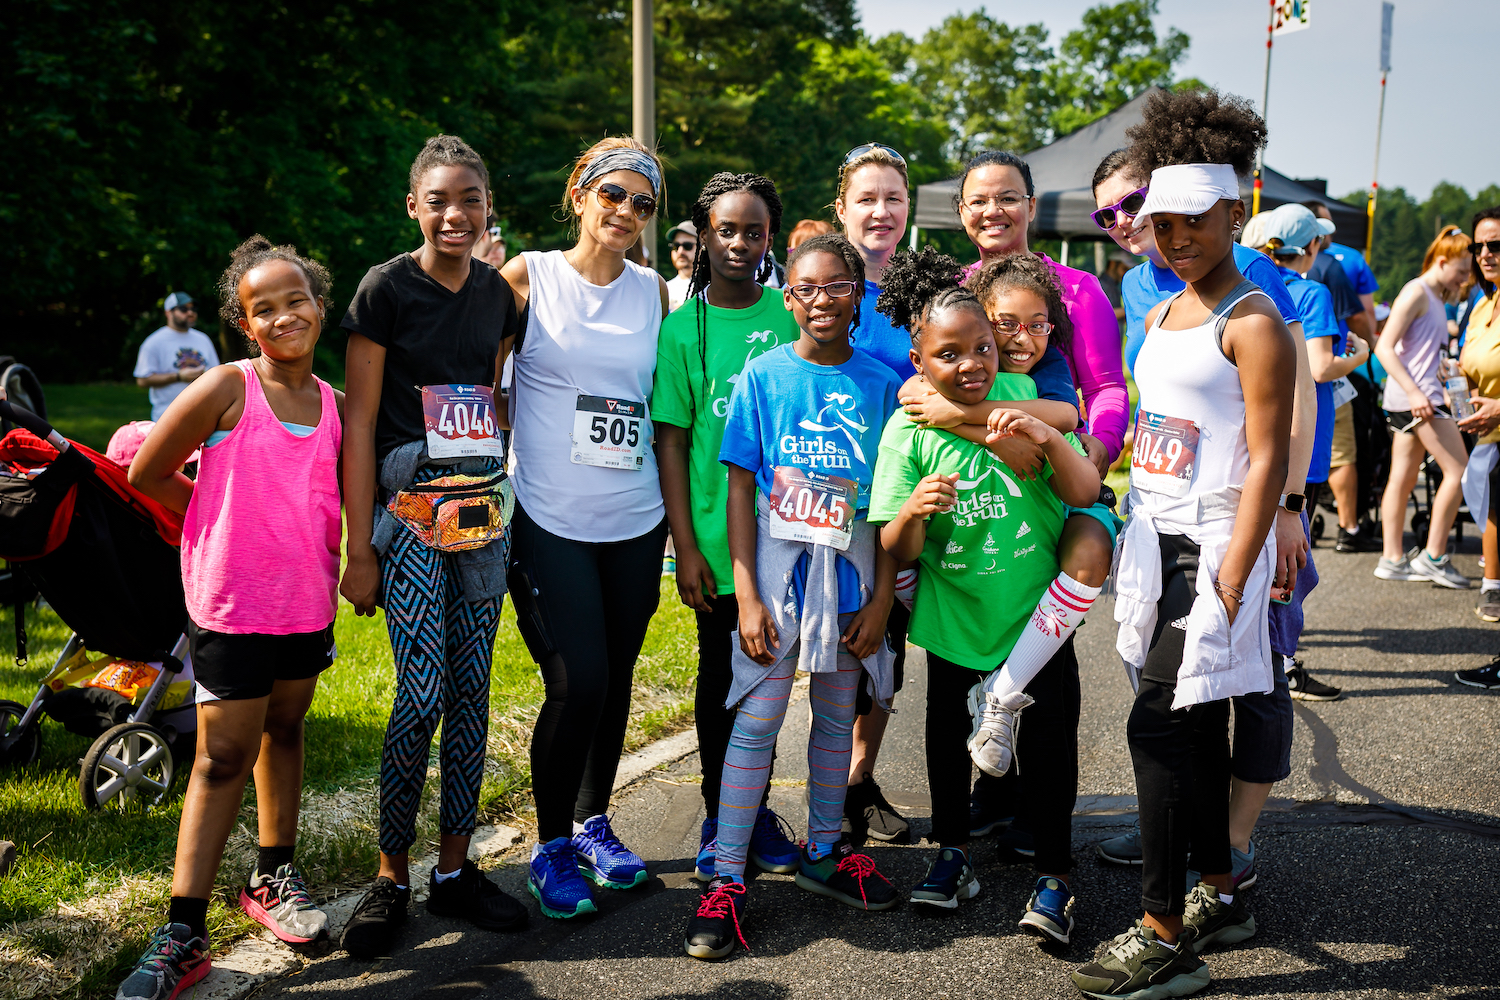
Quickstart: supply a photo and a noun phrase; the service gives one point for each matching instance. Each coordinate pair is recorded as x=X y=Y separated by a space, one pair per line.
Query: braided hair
x=717 y=187
x=251 y=254
x=917 y=286
x=1026 y=272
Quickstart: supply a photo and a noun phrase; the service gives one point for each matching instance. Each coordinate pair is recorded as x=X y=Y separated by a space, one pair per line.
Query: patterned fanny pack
x=453 y=513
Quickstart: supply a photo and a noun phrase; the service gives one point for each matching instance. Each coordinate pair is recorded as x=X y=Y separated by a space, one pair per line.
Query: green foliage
x=1114 y=56
x=1405 y=227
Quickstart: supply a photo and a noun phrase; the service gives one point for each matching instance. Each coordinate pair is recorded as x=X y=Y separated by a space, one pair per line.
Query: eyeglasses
x=1010 y=328
x=684 y=246
x=1493 y=246
x=835 y=290
x=612 y=196
x=1108 y=217
x=870 y=147
x=978 y=205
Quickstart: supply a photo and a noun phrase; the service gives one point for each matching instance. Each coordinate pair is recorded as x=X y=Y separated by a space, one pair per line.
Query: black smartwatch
x=1293 y=503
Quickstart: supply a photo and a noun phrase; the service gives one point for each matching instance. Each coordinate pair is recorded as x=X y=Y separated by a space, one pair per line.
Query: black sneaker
x=1306 y=687
x=715 y=927
x=869 y=814
x=1365 y=541
x=473 y=897
x=989 y=807
x=372 y=926
x=1487 y=676
x=1015 y=845
x=846 y=876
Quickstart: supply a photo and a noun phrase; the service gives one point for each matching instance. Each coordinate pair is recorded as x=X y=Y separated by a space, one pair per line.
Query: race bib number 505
x=808 y=506
x=460 y=421
x=1161 y=460
x=610 y=433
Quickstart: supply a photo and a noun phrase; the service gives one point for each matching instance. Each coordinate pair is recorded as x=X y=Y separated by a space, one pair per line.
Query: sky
x=1325 y=80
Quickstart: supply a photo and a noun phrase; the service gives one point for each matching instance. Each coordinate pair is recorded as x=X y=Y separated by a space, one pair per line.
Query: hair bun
x=254 y=245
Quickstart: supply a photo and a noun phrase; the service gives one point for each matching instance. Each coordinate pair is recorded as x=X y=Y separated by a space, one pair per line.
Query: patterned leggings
x=443 y=647
x=747 y=763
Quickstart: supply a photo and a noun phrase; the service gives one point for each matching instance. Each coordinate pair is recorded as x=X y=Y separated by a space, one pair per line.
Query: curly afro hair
x=1196 y=126
x=1027 y=272
x=917 y=285
x=249 y=255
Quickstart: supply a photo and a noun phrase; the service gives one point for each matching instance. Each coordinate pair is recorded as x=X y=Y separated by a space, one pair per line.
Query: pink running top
x=1095 y=355
x=260 y=543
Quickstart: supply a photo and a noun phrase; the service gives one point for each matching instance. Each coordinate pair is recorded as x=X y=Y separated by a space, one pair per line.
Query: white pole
x=1265 y=104
x=1064 y=261
x=643 y=93
x=914 y=232
x=1387 y=12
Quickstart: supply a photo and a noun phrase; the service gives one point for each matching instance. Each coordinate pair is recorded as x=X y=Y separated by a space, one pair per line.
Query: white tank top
x=1190 y=390
x=583 y=340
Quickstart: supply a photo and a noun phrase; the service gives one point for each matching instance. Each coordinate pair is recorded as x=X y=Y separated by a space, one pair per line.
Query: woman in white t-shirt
x=589 y=522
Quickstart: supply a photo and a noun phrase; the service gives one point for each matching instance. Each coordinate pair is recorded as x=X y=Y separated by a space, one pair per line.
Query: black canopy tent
x=1063 y=172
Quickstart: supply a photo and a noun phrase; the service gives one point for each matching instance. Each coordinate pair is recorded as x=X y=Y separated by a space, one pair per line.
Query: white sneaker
x=1439 y=571
x=1396 y=569
x=992 y=742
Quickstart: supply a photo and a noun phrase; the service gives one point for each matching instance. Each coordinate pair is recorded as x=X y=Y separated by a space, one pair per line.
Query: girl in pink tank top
x=260 y=560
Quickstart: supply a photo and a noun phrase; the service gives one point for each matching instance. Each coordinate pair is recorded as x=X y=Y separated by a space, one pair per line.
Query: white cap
x=1189 y=188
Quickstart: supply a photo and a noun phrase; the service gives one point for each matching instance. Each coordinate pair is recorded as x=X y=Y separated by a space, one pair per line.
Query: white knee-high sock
x=1057 y=614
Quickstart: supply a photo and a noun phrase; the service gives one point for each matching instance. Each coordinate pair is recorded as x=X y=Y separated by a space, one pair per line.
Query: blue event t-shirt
x=1315 y=305
x=1355 y=269
x=1146 y=285
x=1327 y=272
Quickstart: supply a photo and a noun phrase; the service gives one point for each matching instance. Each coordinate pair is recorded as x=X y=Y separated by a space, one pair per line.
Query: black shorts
x=235 y=667
x=1401 y=421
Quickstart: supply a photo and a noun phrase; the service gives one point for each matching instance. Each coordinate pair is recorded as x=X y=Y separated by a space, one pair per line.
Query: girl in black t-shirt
x=428 y=335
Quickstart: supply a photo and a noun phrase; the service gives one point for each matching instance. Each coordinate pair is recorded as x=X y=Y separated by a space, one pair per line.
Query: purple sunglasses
x=1108 y=217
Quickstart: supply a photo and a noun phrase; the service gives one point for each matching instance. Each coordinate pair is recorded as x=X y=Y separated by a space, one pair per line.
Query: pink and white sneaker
x=282 y=903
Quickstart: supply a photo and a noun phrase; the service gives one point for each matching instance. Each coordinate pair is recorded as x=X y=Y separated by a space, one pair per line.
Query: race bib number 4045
x=1161 y=460
x=812 y=507
x=460 y=421
x=610 y=433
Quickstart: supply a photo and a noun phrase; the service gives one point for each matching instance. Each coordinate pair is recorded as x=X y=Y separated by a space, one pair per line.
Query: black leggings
x=1181 y=757
x=583 y=609
x=1046 y=754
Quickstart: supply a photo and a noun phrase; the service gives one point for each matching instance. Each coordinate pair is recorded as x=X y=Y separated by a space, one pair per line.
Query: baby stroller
x=105 y=557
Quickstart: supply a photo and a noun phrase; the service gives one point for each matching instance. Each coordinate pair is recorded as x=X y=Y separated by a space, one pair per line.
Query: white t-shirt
x=166 y=350
x=676 y=292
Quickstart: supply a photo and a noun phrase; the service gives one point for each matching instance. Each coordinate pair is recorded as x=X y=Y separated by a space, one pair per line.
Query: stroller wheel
x=131 y=763
x=24 y=750
x=1420 y=522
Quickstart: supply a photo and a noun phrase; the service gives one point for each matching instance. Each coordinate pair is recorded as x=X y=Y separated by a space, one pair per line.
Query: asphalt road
x=1379 y=856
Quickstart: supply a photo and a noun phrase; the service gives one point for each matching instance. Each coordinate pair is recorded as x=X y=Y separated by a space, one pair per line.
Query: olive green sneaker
x=1214 y=921
x=1139 y=967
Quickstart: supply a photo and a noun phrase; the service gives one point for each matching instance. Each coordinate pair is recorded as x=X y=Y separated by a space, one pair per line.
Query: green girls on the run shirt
x=693 y=394
x=987 y=562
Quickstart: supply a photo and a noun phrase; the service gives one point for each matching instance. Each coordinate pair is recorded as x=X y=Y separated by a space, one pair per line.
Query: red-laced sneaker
x=845 y=876
x=716 y=926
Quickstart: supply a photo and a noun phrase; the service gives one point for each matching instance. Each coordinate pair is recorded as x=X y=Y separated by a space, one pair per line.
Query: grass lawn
x=89 y=887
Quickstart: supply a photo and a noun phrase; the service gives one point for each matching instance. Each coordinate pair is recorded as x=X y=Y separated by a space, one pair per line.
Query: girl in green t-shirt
x=987 y=539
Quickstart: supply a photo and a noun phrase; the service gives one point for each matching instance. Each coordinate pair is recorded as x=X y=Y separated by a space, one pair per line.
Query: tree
x=1114 y=56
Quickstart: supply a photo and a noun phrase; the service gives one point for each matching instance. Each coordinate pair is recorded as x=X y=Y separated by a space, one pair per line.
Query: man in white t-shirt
x=682 y=241
x=174 y=355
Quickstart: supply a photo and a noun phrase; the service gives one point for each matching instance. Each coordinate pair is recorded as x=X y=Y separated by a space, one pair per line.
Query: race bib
x=1162 y=458
x=610 y=433
x=460 y=421
x=812 y=507
x=1343 y=391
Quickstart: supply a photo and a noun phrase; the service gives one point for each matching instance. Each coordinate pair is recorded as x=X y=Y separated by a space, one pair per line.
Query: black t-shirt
x=431 y=336
x=1326 y=270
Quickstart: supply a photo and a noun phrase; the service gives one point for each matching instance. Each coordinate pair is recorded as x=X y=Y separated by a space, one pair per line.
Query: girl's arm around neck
x=930 y=408
x=1074 y=479
x=192 y=417
x=364 y=372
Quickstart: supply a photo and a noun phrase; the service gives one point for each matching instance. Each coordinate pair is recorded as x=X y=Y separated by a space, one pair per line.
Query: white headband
x=1190 y=188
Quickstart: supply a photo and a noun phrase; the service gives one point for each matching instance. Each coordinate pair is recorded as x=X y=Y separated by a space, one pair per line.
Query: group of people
x=889 y=448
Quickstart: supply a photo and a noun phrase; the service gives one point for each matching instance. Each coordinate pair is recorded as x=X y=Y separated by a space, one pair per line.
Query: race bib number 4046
x=812 y=507
x=1161 y=460
x=610 y=433
x=460 y=421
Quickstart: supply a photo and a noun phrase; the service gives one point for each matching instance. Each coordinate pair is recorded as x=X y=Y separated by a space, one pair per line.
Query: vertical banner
x=1291 y=15
x=1387 y=11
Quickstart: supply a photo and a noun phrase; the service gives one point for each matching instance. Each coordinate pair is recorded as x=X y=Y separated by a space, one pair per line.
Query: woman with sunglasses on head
x=1410 y=348
x=1481 y=364
x=589 y=522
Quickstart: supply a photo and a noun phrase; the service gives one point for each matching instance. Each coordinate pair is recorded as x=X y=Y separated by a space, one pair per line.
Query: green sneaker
x=1137 y=966
x=1214 y=921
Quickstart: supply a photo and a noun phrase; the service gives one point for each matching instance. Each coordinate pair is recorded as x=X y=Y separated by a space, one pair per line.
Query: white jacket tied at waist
x=1218 y=660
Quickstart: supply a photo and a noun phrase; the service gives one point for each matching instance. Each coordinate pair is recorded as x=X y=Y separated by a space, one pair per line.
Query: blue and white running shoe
x=708 y=850
x=770 y=848
x=603 y=859
x=555 y=882
x=1050 y=911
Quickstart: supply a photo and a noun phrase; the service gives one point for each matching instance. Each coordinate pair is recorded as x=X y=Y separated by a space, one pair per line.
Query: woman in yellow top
x=1481 y=363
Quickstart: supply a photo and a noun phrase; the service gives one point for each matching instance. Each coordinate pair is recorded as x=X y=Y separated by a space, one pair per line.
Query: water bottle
x=1457 y=384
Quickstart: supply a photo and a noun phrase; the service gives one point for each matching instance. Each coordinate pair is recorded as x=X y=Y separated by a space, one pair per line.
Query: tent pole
x=1265 y=103
x=1064 y=261
x=1098 y=257
x=914 y=231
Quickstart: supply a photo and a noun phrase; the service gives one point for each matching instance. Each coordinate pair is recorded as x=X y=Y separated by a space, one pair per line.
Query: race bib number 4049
x=610 y=433
x=812 y=507
x=460 y=421
x=1162 y=458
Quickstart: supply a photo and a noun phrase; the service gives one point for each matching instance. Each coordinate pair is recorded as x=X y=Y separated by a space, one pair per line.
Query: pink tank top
x=260 y=543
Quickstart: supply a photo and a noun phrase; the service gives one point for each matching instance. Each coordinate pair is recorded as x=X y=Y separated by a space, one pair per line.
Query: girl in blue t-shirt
x=814 y=587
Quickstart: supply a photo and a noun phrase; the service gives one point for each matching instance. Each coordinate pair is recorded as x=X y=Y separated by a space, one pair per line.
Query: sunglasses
x=1010 y=328
x=684 y=245
x=870 y=147
x=1493 y=246
x=612 y=196
x=835 y=290
x=1108 y=217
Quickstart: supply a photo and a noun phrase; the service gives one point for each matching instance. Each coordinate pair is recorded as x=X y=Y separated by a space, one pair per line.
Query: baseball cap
x=178 y=300
x=683 y=227
x=1253 y=234
x=1295 y=226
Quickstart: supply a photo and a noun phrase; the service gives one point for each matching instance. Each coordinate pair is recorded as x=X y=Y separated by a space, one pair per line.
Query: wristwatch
x=1293 y=503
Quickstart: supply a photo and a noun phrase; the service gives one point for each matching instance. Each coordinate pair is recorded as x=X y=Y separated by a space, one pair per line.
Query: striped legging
x=747 y=763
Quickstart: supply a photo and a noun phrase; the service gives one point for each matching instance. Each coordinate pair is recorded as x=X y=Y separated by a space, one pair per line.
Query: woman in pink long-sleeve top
x=996 y=202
